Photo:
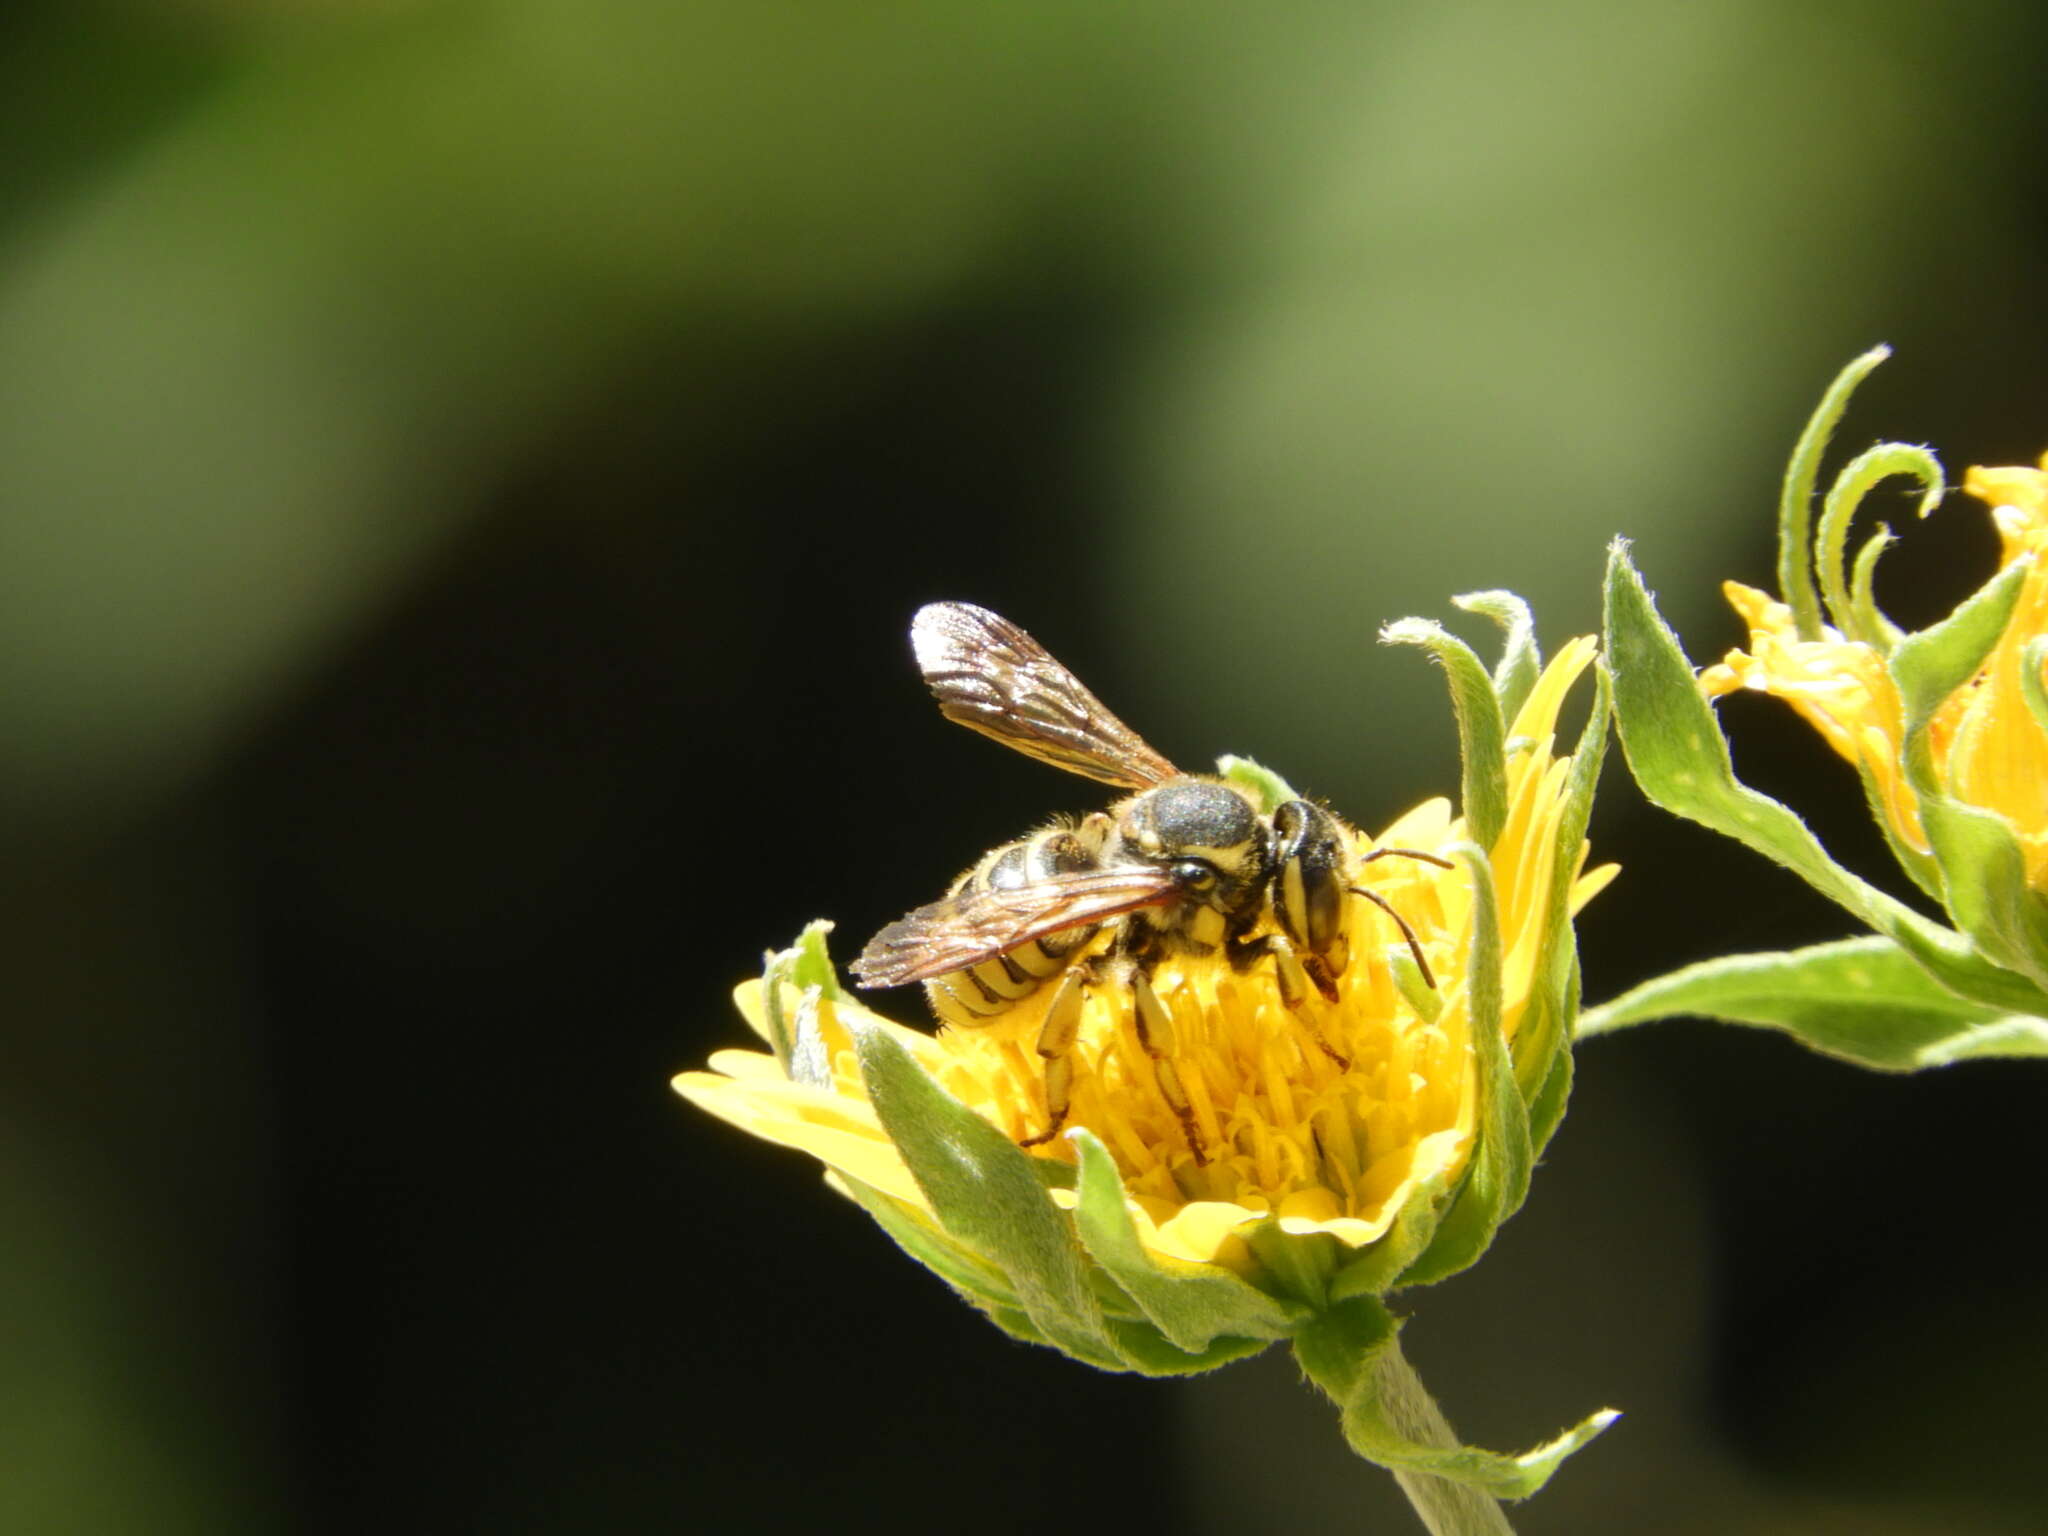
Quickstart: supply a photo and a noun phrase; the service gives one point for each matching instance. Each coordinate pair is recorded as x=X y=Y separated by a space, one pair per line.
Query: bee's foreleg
x=1295 y=973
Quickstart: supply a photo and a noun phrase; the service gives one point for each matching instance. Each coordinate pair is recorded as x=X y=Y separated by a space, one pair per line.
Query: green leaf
x=1680 y=760
x=1520 y=662
x=1482 y=733
x=1193 y=1305
x=1860 y=1000
x=2017 y=1036
x=1503 y=1157
x=1272 y=790
x=1795 y=499
x=980 y=1186
x=1353 y=1354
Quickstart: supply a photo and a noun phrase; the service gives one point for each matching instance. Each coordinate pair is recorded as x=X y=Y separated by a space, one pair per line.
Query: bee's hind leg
x=1056 y=1037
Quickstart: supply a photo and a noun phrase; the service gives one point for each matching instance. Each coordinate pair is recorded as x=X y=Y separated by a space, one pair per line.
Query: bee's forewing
x=974 y=925
x=992 y=677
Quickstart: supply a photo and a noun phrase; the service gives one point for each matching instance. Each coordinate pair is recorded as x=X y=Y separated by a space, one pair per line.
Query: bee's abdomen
x=978 y=993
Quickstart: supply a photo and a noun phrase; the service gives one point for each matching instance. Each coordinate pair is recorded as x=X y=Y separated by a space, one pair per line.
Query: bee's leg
x=1408 y=933
x=1056 y=1037
x=1296 y=973
x=1155 y=1034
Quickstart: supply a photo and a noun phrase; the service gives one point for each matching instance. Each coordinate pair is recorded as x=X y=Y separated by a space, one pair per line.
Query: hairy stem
x=1446 y=1508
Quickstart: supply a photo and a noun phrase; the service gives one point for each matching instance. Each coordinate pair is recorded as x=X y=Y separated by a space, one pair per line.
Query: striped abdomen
x=978 y=993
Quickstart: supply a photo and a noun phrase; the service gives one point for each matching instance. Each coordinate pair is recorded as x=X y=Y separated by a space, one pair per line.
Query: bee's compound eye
x=1194 y=874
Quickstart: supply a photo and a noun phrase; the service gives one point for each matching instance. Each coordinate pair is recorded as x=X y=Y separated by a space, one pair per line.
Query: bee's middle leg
x=1055 y=1046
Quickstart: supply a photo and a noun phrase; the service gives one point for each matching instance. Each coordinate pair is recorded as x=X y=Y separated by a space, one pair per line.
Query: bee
x=1188 y=864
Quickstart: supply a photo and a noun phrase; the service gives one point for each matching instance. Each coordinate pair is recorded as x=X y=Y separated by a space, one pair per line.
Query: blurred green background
x=465 y=469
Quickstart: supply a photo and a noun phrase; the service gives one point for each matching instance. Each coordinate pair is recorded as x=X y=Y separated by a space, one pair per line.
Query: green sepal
x=1680 y=760
x=1546 y=1110
x=1985 y=885
x=1352 y=1353
x=2032 y=687
x=1520 y=664
x=1019 y=1326
x=1917 y=864
x=807 y=968
x=984 y=1193
x=1546 y=1024
x=1137 y=1348
x=979 y=1284
x=811 y=962
x=1547 y=1106
x=1482 y=733
x=1795 y=499
x=1859 y=1000
x=1192 y=1305
x=914 y=1232
x=1983 y=870
x=1935 y=662
x=1880 y=631
x=1297 y=1266
x=1146 y=1353
x=1272 y=790
x=1503 y=1157
x=1856 y=620
x=1377 y=1268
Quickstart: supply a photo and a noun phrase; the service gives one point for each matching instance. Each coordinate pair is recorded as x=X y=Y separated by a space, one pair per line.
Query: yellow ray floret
x=1986 y=748
x=1324 y=1116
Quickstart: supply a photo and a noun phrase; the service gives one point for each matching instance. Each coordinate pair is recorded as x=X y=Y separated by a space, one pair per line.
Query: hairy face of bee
x=1211 y=838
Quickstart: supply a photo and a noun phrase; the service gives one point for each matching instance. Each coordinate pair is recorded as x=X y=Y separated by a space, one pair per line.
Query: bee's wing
x=992 y=677
x=974 y=925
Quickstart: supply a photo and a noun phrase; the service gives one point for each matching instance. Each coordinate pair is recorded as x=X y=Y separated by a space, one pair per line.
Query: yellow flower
x=1325 y=1121
x=1986 y=748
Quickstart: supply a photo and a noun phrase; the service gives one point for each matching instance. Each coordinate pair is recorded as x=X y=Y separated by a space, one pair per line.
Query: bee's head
x=1208 y=834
